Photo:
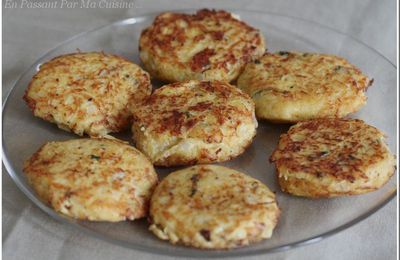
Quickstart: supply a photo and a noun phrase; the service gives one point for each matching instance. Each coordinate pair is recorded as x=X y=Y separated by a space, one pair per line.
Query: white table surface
x=28 y=233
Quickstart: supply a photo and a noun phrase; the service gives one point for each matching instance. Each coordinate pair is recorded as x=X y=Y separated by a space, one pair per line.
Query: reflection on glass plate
x=303 y=221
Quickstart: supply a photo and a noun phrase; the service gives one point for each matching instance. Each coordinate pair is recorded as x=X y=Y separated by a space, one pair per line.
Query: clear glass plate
x=303 y=221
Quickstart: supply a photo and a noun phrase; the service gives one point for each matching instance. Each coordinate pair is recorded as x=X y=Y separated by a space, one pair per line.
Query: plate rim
x=148 y=249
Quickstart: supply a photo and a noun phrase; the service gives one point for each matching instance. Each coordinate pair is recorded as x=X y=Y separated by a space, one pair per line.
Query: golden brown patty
x=93 y=179
x=212 y=207
x=88 y=93
x=332 y=157
x=294 y=86
x=208 y=45
x=194 y=122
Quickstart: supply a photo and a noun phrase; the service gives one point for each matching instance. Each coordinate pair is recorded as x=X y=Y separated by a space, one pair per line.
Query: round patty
x=212 y=207
x=194 y=122
x=208 y=45
x=332 y=157
x=294 y=86
x=88 y=93
x=92 y=179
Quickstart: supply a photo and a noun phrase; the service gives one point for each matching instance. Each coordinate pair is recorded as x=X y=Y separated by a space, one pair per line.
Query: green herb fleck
x=337 y=68
x=188 y=114
x=323 y=153
x=283 y=53
x=195 y=179
x=257 y=93
x=94 y=157
x=351 y=157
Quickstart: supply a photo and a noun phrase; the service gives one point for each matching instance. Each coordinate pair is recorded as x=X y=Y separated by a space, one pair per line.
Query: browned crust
x=113 y=122
x=174 y=120
x=211 y=114
x=194 y=196
x=154 y=41
x=342 y=163
x=294 y=86
x=38 y=172
x=202 y=59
